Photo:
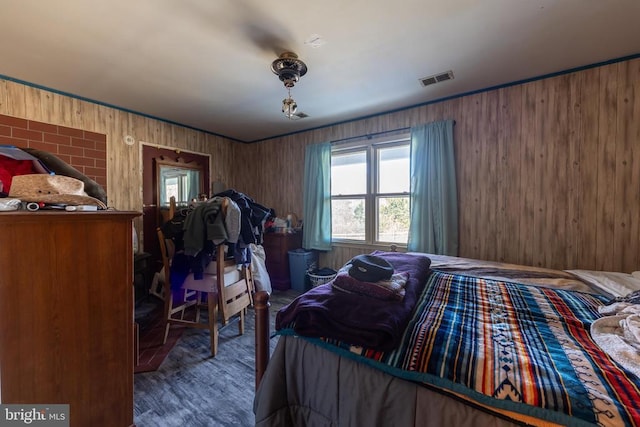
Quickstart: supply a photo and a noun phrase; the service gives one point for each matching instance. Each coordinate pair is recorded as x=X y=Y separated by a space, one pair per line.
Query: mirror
x=182 y=180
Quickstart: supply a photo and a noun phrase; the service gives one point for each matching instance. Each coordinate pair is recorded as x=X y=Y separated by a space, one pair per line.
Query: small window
x=370 y=192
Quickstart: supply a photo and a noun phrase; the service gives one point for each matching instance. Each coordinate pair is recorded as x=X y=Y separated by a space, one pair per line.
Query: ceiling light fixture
x=289 y=69
x=289 y=106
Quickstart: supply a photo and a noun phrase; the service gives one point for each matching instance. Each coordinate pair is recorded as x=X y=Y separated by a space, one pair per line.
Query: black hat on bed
x=370 y=268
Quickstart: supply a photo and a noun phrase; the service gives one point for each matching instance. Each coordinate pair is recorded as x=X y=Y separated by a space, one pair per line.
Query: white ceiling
x=206 y=63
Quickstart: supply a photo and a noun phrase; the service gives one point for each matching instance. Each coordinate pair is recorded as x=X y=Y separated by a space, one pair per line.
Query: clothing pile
x=16 y=161
x=198 y=229
x=371 y=276
x=377 y=323
x=618 y=332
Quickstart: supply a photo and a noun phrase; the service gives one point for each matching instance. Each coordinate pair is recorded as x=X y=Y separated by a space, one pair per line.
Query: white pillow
x=614 y=283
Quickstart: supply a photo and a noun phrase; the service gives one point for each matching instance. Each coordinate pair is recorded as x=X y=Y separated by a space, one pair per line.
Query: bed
x=484 y=344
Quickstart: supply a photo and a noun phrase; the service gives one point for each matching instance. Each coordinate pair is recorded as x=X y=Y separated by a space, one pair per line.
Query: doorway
x=168 y=172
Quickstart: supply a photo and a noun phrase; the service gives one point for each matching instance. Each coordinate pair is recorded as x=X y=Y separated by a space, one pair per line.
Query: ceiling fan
x=289 y=68
x=268 y=35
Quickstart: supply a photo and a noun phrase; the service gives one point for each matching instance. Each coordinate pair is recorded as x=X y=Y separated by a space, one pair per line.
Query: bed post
x=261 y=308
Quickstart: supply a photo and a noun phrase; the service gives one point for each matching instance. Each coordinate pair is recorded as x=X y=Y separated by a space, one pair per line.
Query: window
x=370 y=192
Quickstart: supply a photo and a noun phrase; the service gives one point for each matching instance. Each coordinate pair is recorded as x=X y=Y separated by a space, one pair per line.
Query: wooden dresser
x=276 y=250
x=66 y=313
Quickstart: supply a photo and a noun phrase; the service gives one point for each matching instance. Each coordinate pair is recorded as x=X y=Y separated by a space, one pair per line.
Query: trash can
x=301 y=260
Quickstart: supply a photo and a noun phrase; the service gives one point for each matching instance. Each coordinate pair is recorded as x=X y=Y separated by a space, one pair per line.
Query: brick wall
x=86 y=151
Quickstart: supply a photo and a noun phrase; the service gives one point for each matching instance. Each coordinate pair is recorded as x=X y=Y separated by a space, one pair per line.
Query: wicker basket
x=317 y=280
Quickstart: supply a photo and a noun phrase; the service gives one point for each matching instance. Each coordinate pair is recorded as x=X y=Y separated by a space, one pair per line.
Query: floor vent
x=436 y=78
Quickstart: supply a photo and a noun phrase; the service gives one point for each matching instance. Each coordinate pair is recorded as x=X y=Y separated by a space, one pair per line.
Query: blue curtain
x=434 y=202
x=317 y=197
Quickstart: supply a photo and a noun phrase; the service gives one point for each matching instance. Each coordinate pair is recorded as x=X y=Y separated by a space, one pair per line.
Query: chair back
x=167 y=250
x=233 y=298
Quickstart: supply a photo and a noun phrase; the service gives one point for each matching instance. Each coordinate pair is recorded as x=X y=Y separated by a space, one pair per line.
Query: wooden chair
x=219 y=294
x=157 y=286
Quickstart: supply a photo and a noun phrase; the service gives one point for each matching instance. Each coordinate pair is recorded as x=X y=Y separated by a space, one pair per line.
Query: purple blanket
x=360 y=320
x=390 y=290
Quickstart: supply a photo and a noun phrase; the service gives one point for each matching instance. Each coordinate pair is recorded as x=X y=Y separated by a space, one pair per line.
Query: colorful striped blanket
x=512 y=347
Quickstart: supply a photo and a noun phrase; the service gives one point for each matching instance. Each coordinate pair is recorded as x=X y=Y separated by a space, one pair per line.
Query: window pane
x=170 y=190
x=349 y=173
x=393 y=175
x=190 y=180
x=393 y=219
x=347 y=219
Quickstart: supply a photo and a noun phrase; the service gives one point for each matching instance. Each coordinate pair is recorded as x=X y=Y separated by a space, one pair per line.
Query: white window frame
x=370 y=147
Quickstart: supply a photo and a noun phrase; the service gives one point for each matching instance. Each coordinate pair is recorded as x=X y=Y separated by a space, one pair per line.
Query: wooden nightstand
x=276 y=248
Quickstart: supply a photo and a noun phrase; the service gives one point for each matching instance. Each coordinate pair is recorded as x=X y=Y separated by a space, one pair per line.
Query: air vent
x=436 y=78
x=298 y=116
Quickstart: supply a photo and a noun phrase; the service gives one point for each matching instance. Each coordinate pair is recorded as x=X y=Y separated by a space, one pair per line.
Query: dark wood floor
x=193 y=389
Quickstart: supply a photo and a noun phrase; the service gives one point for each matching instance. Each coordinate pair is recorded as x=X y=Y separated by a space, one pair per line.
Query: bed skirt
x=321 y=388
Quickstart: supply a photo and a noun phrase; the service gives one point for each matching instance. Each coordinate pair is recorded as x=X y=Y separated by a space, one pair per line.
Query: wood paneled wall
x=548 y=171
x=124 y=178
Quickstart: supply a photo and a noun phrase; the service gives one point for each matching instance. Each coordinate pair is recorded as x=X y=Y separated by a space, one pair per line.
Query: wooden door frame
x=150 y=212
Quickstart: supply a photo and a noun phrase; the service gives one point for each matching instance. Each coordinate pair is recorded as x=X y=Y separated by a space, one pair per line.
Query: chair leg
x=213 y=323
x=199 y=296
x=186 y=295
x=168 y=302
x=250 y=285
x=241 y=323
x=166 y=333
